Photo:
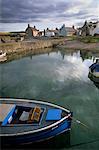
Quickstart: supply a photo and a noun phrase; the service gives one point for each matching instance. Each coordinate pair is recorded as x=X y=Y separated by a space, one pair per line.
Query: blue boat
x=94 y=71
x=25 y=121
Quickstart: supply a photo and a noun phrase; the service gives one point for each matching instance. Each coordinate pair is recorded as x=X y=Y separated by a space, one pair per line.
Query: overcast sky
x=16 y=14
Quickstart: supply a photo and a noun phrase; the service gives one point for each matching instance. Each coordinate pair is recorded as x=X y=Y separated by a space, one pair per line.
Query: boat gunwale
x=39 y=102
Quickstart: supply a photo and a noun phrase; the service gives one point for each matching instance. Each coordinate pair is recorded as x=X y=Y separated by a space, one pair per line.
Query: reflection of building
x=63 y=53
x=85 y=55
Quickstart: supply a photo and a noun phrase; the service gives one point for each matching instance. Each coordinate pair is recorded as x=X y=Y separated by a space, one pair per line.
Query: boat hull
x=37 y=137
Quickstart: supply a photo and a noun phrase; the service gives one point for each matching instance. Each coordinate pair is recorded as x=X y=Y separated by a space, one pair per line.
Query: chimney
x=85 y=22
x=28 y=25
x=44 y=32
x=56 y=28
x=73 y=27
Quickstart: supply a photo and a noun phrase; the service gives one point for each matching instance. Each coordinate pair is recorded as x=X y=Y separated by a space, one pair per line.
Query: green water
x=61 y=79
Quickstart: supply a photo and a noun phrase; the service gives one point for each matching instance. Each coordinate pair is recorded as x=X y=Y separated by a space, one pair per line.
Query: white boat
x=2 y=54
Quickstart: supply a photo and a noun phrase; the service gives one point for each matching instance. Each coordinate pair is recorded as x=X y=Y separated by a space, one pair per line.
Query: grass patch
x=88 y=39
x=8 y=44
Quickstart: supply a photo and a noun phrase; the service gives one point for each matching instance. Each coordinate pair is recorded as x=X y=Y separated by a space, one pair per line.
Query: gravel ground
x=80 y=45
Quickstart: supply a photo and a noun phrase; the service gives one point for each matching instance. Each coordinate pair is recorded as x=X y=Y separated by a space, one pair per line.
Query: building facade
x=89 y=29
x=49 y=33
x=31 y=31
x=66 y=31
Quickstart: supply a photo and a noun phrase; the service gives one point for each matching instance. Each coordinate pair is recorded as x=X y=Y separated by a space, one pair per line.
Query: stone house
x=89 y=29
x=70 y=31
x=66 y=31
x=31 y=32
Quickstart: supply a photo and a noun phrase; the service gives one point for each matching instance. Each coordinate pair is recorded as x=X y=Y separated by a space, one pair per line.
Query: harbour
x=59 y=77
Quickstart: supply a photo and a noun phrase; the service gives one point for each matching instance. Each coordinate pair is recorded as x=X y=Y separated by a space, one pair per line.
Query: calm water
x=60 y=78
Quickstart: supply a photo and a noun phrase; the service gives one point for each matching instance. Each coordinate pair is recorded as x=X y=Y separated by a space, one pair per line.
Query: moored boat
x=94 y=69
x=2 y=54
x=27 y=121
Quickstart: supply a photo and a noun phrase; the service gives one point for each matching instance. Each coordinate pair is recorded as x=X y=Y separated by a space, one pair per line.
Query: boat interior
x=12 y=114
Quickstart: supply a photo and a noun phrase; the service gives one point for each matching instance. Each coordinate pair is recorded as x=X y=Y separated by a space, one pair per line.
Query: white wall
x=49 y=33
x=96 y=30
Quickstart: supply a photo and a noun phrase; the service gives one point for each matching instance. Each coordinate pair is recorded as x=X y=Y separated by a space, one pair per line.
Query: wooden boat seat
x=34 y=114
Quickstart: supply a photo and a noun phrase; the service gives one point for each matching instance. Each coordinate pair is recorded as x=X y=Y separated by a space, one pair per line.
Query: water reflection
x=73 y=67
x=84 y=60
x=63 y=53
x=69 y=52
x=86 y=54
x=29 y=53
x=53 y=70
x=96 y=84
x=60 y=77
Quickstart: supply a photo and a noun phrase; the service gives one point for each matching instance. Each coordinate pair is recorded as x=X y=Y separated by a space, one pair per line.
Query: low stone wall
x=36 y=45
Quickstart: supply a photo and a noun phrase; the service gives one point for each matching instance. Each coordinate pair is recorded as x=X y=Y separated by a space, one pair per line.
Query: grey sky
x=49 y=12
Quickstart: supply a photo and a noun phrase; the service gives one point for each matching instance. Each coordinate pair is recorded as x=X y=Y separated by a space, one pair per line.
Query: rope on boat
x=83 y=143
x=79 y=122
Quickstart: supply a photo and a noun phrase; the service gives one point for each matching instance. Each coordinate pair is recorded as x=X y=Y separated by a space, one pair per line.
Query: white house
x=49 y=33
x=90 y=28
x=96 y=30
x=93 y=28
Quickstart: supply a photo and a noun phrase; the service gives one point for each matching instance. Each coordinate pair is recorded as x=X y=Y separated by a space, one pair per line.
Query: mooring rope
x=79 y=122
x=83 y=143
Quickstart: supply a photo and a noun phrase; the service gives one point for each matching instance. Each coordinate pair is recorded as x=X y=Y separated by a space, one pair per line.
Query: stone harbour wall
x=37 y=45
